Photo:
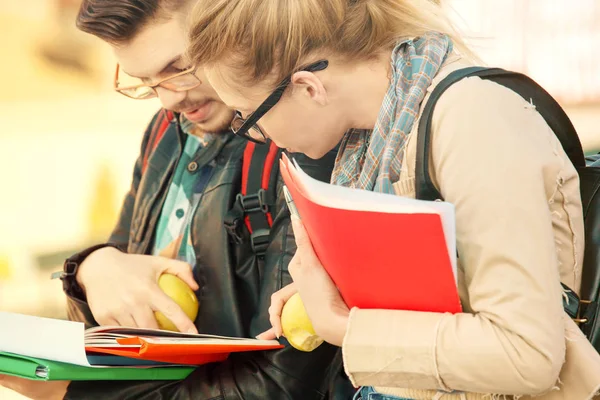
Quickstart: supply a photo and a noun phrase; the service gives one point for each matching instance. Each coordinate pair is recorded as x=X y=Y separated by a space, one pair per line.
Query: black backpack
x=250 y=218
x=584 y=311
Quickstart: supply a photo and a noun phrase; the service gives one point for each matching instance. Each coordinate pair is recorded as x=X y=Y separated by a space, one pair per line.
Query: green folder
x=45 y=370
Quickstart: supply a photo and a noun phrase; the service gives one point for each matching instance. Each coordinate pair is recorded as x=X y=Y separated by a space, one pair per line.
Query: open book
x=24 y=337
x=381 y=250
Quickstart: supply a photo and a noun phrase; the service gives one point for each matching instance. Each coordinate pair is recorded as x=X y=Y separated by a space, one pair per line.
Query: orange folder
x=170 y=347
x=161 y=354
x=178 y=352
x=382 y=251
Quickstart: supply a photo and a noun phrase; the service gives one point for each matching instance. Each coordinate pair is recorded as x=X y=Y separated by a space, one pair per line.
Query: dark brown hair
x=119 y=21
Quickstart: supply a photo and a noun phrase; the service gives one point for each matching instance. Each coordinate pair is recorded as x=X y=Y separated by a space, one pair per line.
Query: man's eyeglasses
x=248 y=127
x=179 y=82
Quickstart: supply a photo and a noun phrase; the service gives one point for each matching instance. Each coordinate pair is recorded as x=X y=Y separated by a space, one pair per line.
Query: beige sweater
x=519 y=233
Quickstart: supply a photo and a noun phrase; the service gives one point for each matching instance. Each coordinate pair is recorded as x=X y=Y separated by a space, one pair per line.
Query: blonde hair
x=280 y=36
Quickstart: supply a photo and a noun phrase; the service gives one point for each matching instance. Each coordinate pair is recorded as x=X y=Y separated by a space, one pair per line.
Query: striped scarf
x=371 y=160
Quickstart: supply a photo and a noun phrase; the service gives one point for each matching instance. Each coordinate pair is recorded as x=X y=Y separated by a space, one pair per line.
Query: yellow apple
x=182 y=294
x=296 y=325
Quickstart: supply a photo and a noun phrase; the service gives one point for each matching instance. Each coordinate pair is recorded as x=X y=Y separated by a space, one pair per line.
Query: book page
x=124 y=332
x=50 y=339
x=106 y=336
x=345 y=198
x=207 y=341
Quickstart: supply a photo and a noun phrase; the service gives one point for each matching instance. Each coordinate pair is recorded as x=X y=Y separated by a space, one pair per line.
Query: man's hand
x=122 y=289
x=36 y=390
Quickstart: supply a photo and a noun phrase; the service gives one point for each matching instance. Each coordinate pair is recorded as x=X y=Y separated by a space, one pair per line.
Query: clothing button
x=179 y=213
x=193 y=166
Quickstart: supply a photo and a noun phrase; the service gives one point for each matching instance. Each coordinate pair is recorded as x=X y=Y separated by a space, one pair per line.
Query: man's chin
x=208 y=127
x=218 y=121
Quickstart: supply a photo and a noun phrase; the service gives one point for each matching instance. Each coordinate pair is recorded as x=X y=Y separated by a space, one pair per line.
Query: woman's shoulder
x=480 y=121
x=473 y=91
x=482 y=111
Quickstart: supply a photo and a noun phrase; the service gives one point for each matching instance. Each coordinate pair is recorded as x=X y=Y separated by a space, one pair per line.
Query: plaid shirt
x=173 y=238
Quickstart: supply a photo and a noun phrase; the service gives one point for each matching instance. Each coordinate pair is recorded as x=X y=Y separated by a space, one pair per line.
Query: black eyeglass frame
x=250 y=123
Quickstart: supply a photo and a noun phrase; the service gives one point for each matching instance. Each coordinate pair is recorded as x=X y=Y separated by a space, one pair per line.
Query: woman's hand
x=323 y=302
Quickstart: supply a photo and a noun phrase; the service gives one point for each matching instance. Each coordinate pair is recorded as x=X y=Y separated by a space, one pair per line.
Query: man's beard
x=218 y=123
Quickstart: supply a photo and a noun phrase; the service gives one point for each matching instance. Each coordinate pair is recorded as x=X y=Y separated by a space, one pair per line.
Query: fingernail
x=191 y=330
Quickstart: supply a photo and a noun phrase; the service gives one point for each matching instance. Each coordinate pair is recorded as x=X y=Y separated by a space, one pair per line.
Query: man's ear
x=310 y=85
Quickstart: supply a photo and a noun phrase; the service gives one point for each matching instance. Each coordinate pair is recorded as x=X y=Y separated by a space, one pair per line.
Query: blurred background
x=67 y=147
x=68 y=142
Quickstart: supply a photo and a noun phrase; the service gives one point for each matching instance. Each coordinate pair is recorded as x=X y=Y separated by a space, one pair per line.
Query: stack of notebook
x=48 y=349
x=381 y=250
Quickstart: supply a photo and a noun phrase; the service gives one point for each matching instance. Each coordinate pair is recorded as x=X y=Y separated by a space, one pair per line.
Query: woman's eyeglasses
x=248 y=128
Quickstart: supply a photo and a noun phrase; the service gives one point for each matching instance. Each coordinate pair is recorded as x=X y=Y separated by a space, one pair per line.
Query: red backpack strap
x=158 y=130
x=258 y=195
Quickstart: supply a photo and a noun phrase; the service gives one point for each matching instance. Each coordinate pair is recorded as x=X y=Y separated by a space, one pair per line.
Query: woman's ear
x=310 y=85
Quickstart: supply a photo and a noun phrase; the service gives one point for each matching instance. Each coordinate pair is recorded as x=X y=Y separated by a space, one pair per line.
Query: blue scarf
x=371 y=160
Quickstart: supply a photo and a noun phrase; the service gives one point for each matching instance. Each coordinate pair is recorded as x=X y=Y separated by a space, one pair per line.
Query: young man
x=183 y=191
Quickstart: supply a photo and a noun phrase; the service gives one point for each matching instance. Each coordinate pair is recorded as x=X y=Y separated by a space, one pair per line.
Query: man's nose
x=168 y=98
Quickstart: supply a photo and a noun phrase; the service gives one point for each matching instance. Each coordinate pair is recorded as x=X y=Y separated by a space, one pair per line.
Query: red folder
x=379 y=254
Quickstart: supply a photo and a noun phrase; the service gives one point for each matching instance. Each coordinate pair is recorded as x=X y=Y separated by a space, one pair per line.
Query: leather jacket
x=235 y=285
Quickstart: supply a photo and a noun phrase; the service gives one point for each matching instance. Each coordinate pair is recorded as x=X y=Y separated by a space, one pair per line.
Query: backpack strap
x=526 y=87
x=253 y=204
x=545 y=104
x=159 y=128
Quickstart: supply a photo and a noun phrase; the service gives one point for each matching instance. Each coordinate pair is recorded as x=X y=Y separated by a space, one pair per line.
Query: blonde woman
x=311 y=73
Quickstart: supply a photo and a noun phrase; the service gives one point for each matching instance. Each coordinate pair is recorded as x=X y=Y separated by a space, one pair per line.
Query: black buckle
x=233 y=230
x=581 y=311
x=260 y=241
x=233 y=223
x=571 y=302
x=253 y=202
